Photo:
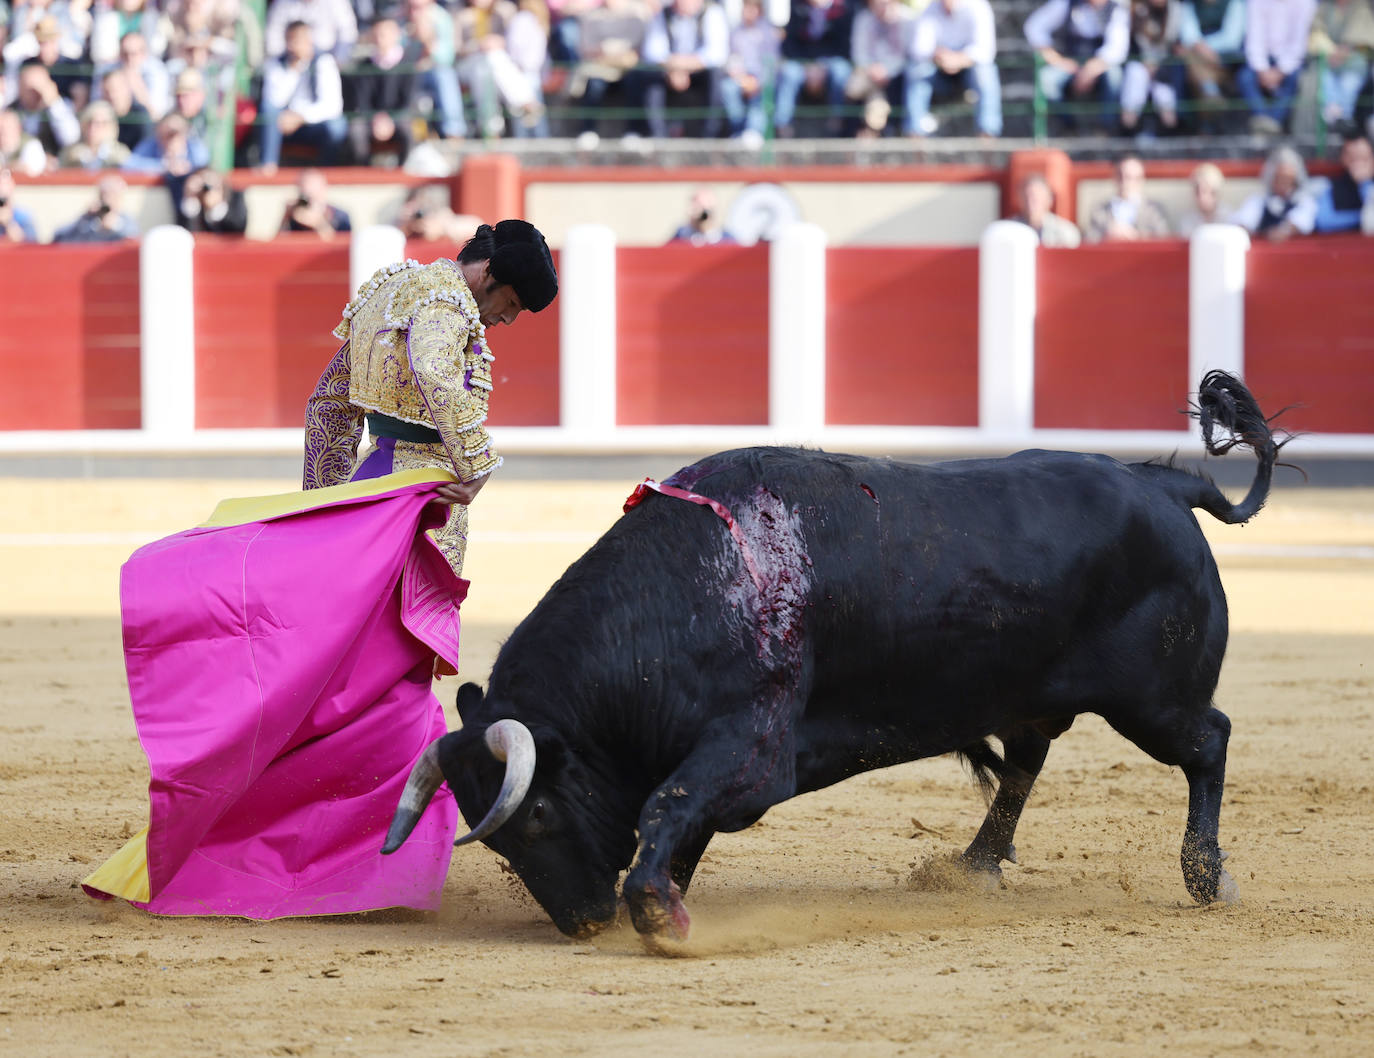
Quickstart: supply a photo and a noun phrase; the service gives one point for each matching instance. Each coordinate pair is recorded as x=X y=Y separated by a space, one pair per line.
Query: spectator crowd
x=162 y=86
x=1288 y=203
x=143 y=84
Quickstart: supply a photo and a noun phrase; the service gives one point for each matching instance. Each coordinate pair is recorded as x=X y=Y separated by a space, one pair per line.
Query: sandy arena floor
x=807 y=938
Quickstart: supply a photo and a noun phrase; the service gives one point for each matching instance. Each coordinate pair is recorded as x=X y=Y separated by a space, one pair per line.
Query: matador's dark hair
x=518 y=255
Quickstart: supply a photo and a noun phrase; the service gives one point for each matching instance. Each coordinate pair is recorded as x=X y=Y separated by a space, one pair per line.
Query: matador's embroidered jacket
x=414 y=349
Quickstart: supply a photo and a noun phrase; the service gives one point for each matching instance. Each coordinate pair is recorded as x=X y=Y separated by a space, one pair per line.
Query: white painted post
x=1216 y=300
x=167 y=332
x=796 y=331
x=587 y=332
x=1006 y=328
x=371 y=248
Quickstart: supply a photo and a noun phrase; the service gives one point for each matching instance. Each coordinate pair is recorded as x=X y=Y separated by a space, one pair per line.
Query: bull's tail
x=988 y=766
x=1224 y=402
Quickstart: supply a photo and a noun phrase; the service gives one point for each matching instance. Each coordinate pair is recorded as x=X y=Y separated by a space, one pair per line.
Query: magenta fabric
x=280 y=679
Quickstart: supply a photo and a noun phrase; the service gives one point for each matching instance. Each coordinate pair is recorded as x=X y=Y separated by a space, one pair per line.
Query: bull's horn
x=425 y=778
x=510 y=741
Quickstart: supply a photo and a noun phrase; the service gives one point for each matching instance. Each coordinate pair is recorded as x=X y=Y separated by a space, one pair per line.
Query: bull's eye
x=536 y=821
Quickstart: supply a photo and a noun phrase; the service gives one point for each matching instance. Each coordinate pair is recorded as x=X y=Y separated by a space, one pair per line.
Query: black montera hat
x=521 y=258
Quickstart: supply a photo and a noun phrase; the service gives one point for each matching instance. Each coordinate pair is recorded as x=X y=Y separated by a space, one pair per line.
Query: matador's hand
x=463 y=492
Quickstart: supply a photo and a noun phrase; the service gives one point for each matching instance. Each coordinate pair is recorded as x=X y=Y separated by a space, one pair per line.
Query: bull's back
x=968 y=582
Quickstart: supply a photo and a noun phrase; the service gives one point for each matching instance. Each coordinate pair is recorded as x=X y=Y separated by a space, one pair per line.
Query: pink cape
x=279 y=670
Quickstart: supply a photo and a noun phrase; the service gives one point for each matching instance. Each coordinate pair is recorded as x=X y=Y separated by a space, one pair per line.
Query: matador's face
x=496 y=302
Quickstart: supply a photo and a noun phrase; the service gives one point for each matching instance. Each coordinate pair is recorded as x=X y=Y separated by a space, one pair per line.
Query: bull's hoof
x=657 y=914
x=1207 y=881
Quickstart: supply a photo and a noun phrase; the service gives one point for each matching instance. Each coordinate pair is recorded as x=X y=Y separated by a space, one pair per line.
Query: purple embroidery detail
x=333 y=426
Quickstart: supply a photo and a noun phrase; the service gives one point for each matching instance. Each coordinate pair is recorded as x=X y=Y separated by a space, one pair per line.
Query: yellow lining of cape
x=125 y=874
x=247 y=509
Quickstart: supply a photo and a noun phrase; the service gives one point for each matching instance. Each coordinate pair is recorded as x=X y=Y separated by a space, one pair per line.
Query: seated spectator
x=302 y=101
x=878 y=47
x=1128 y=214
x=193 y=55
x=188 y=103
x=425 y=215
x=954 y=49
x=486 y=68
x=610 y=39
x=1275 y=47
x=99 y=146
x=565 y=35
x=170 y=149
x=527 y=41
x=106 y=220
x=1341 y=200
x=685 y=50
x=1154 y=73
x=1206 y=182
x=430 y=35
x=311 y=211
x=16 y=223
x=209 y=22
x=754 y=50
x=815 y=61
x=1343 y=35
x=382 y=87
x=147 y=77
x=1211 y=34
x=1037 y=213
x=206 y=203
x=1083 y=46
x=132 y=116
x=56 y=33
x=50 y=48
x=43 y=113
x=19 y=150
x=112 y=22
x=1283 y=208
x=702 y=226
x=331 y=24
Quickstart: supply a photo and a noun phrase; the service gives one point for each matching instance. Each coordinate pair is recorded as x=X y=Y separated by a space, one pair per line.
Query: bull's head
x=537 y=809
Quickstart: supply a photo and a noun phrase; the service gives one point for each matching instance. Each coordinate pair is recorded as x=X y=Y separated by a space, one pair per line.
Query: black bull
x=685 y=675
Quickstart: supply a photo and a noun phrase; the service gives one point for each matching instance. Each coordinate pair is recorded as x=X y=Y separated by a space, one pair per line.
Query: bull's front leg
x=728 y=781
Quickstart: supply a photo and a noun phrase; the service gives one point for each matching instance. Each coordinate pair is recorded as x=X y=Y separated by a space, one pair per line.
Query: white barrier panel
x=1006 y=329
x=796 y=332
x=587 y=332
x=167 y=326
x=371 y=248
x=1216 y=300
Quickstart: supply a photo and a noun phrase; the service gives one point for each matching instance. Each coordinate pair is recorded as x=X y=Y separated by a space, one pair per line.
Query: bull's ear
x=469 y=698
x=549 y=747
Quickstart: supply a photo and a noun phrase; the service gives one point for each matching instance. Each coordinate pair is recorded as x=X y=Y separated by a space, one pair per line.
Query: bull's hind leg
x=1024 y=750
x=1196 y=743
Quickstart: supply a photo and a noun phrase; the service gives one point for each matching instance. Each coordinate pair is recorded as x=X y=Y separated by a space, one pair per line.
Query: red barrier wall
x=263 y=316
x=1111 y=337
x=525 y=371
x=1310 y=303
x=902 y=336
x=69 y=337
x=692 y=335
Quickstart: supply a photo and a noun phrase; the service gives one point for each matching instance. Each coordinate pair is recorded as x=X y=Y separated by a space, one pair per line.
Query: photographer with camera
x=105 y=221
x=206 y=203
x=310 y=211
x=15 y=223
x=702 y=229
